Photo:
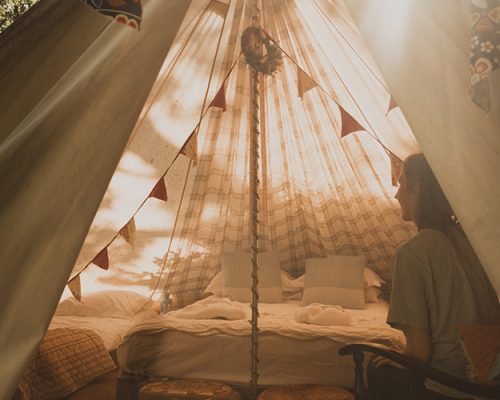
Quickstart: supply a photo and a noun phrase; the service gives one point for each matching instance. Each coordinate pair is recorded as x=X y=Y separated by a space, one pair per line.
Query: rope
x=254 y=208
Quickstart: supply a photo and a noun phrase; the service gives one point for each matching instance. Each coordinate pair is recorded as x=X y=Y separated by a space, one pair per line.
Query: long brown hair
x=432 y=209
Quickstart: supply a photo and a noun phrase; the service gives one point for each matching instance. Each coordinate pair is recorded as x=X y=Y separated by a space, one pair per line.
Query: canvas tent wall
x=45 y=254
x=62 y=70
x=307 y=216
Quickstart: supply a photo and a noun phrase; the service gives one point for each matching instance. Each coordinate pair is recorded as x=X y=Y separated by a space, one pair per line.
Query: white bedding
x=289 y=351
x=111 y=330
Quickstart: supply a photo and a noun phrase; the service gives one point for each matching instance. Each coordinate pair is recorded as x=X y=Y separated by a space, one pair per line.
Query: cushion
x=305 y=392
x=372 y=294
x=371 y=278
x=187 y=389
x=236 y=274
x=216 y=285
x=66 y=360
x=335 y=280
x=107 y=303
x=481 y=344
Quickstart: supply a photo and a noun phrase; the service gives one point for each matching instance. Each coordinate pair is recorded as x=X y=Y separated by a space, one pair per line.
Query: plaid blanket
x=67 y=359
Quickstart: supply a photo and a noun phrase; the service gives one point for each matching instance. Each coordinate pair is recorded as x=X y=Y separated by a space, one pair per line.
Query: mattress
x=111 y=330
x=289 y=352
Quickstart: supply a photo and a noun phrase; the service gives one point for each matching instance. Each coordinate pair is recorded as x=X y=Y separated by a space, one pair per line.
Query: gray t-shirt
x=439 y=285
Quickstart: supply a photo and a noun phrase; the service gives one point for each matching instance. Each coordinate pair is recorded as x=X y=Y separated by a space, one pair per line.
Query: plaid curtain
x=323 y=195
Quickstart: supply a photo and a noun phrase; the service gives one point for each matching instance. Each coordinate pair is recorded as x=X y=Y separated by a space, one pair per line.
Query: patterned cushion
x=67 y=359
x=305 y=392
x=481 y=344
x=187 y=389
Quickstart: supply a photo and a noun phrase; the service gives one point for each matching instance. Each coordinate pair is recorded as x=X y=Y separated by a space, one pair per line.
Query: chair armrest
x=474 y=389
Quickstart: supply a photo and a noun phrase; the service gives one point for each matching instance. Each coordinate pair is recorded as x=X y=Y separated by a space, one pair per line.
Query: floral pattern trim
x=485 y=47
x=128 y=12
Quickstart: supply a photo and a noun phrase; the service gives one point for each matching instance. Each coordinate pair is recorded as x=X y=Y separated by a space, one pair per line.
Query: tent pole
x=254 y=215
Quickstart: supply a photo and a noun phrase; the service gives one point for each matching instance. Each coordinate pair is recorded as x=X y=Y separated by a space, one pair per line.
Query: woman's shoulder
x=426 y=238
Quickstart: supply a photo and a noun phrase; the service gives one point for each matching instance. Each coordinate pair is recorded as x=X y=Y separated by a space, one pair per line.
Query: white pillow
x=335 y=280
x=237 y=279
x=372 y=279
x=108 y=303
x=372 y=294
x=216 y=285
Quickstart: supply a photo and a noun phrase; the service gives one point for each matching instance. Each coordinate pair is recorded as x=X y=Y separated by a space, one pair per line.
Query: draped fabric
x=71 y=89
x=460 y=141
x=320 y=194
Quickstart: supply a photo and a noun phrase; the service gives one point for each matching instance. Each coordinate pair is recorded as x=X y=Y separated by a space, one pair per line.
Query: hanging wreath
x=260 y=53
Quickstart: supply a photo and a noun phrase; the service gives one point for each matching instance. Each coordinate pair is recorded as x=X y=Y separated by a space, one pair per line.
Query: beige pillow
x=237 y=278
x=335 y=280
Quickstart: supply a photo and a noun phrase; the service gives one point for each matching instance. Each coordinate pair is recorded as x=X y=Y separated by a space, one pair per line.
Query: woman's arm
x=417 y=346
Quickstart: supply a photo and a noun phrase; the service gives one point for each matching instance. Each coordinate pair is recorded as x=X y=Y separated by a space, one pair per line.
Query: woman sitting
x=438 y=285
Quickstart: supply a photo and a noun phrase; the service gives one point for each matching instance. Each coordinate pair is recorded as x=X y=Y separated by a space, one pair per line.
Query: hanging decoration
x=260 y=52
x=392 y=105
x=75 y=287
x=349 y=124
x=127 y=12
x=160 y=190
x=220 y=99
x=101 y=259
x=190 y=148
x=128 y=231
x=485 y=49
x=304 y=82
x=396 y=167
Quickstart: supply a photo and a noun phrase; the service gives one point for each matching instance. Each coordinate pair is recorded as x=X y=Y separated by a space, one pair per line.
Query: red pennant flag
x=349 y=124
x=160 y=190
x=396 y=165
x=128 y=231
x=219 y=99
x=75 y=287
x=101 y=259
x=304 y=82
x=190 y=148
x=392 y=105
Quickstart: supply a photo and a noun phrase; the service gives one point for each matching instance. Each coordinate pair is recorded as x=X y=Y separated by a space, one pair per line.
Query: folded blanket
x=320 y=314
x=212 y=309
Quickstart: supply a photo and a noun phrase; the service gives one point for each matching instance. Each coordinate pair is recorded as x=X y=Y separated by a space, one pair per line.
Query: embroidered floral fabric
x=485 y=48
x=127 y=12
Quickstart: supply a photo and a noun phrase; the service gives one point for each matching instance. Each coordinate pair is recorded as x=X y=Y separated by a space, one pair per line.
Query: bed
x=181 y=345
x=79 y=344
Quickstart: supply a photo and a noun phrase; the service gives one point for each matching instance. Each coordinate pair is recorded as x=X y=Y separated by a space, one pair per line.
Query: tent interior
x=126 y=162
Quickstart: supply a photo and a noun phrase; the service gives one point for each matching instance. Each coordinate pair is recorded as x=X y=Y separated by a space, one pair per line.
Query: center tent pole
x=254 y=215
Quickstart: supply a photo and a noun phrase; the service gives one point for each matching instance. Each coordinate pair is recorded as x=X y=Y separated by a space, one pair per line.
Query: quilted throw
x=67 y=359
x=485 y=48
x=128 y=12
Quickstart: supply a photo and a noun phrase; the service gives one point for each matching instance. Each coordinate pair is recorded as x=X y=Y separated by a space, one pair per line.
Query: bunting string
x=159 y=190
x=392 y=103
x=349 y=118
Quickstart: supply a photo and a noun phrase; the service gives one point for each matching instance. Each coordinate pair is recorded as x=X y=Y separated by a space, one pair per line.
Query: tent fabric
x=324 y=195
x=305 y=33
x=63 y=131
x=422 y=49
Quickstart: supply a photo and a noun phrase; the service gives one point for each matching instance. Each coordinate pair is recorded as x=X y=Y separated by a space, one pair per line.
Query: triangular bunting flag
x=160 y=190
x=75 y=287
x=101 y=259
x=392 y=105
x=190 y=148
x=219 y=99
x=349 y=124
x=396 y=165
x=305 y=82
x=128 y=232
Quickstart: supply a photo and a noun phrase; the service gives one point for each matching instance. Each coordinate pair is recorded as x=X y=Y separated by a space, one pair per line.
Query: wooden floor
x=103 y=388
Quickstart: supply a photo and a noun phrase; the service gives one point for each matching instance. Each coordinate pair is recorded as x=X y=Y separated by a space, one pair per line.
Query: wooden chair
x=357 y=350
